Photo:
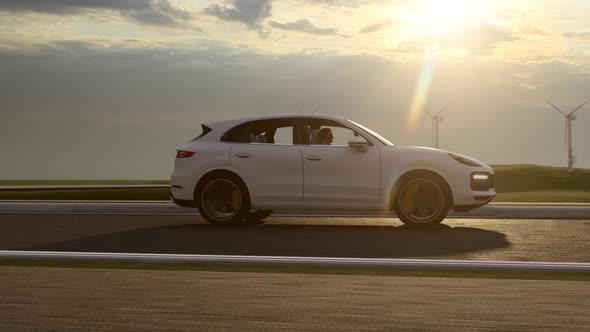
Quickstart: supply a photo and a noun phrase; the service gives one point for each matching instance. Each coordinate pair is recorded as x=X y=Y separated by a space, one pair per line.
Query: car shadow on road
x=291 y=240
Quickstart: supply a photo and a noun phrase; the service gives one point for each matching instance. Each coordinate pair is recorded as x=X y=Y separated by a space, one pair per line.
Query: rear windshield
x=206 y=130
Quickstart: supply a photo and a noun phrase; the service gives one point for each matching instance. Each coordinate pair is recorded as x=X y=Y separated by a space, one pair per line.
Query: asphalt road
x=33 y=299
x=74 y=299
x=477 y=239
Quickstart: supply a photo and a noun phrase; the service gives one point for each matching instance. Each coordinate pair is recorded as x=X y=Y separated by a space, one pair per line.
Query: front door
x=336 y=175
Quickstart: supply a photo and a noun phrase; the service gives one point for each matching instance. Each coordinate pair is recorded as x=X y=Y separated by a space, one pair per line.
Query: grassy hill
x=514 y=183
x=509 y=178
x=521 y=178
x=535 y=183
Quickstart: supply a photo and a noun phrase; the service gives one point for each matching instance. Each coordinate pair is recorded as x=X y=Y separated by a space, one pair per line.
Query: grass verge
x=435 y=273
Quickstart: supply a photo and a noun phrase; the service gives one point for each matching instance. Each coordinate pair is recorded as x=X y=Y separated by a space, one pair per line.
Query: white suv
x=238 y=171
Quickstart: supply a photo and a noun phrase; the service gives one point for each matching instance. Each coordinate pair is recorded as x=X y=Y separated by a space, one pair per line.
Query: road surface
x=75 y=299
x=476 y=239
x=33 y=299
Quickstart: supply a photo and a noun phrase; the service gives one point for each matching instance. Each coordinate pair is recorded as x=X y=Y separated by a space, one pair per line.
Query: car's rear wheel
x=422 y=201
x=257 y=217
x=223 y=199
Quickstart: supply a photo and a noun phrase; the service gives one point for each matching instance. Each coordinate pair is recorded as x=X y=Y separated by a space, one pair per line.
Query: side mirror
x=358 y=142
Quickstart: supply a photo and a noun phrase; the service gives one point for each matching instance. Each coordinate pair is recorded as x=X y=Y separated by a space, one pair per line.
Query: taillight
x=184 y=154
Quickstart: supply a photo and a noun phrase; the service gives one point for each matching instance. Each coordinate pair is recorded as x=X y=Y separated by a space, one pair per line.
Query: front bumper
x=470 y=190
x=483 y=199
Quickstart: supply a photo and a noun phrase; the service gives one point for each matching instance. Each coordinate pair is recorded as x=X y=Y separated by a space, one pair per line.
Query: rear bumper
x=183 y=202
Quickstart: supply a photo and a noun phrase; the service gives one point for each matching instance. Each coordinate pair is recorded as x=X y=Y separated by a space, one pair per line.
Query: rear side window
x=268 y=131
x=239 y=134
x=206 y=130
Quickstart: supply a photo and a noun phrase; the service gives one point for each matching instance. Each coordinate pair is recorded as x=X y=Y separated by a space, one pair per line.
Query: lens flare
x=420 y=97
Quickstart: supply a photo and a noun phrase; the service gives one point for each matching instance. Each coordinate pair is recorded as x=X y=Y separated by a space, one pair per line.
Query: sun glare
x=430 y=20
x=433 y=17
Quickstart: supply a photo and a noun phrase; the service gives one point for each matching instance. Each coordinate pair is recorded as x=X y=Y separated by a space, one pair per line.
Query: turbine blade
x=442 y=109
x=577 y=108
x=315 y=109
x=556 y=108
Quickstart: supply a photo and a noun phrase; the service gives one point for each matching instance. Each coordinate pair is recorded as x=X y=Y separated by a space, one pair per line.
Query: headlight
x=465 y=160
x=482 y=181
x=480 y=177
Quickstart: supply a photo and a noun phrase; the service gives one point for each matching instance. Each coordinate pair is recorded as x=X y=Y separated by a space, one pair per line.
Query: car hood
x=425 y=153
x=422 y=150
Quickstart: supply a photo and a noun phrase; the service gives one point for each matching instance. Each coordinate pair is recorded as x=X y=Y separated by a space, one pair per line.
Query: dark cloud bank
x=151 y=12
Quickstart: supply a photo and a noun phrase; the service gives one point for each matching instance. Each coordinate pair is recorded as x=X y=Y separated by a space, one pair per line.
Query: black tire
x=222 y=199
x=422 y=200
x=257 y=217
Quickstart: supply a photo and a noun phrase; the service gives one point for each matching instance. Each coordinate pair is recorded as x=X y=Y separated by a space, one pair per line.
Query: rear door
x=269 y=161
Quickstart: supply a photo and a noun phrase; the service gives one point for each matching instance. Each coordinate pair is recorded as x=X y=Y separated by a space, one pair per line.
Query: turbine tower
x=569 y=117
x=436 y=120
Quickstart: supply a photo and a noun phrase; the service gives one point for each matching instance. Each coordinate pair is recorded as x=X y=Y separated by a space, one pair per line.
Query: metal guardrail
x=167 y=208
x=82 y=187
x=339 y=262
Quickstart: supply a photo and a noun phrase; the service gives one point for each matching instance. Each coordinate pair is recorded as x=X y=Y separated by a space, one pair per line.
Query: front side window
x=326 y=132
x=377 y=136
x=269 y=131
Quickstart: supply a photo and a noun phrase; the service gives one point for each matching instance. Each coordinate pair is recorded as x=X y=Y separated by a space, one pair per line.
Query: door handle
x=314 y=158
x=243 y=155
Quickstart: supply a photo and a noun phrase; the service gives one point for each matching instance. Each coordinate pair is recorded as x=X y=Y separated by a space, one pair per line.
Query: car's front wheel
x=422 y=201
x=223 y=199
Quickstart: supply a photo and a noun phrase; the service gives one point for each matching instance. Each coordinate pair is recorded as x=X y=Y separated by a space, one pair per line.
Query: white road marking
x=511 y=266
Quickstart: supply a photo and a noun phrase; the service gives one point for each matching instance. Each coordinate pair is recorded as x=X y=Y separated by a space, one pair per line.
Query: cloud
x=149 y=12
x=577 y=35
x=477 y=38
x=376 y=26
x=407 y=47
x=89 y=104
x=249 y=12
x=474 y=39
x=532 y=30
x=343 y=3
x=304 y=25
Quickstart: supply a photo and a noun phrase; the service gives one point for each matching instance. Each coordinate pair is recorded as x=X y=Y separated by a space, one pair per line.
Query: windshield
x=374 y=134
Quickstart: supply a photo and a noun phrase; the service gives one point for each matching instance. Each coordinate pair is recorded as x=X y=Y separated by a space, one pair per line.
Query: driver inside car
x=325 y=136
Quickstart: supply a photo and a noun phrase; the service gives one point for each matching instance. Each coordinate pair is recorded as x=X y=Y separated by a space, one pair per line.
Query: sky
x=108 y=89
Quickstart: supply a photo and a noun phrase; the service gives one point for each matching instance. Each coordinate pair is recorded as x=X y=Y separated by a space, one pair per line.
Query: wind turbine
x=313 y=112
x=436 y=120
x=569 y=117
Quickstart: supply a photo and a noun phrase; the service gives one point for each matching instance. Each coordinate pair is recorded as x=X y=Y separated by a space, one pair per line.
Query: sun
x=436 y=17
